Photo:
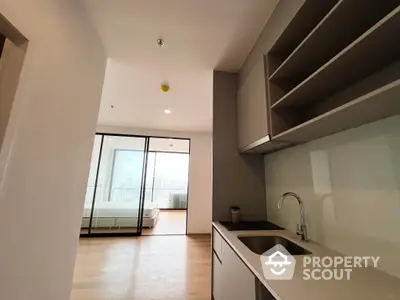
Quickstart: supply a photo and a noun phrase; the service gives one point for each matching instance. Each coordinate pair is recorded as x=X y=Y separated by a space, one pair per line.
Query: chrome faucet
x=302 y=227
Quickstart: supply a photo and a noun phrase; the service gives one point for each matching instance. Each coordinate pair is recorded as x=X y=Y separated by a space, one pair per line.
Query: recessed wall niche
x=13 y=46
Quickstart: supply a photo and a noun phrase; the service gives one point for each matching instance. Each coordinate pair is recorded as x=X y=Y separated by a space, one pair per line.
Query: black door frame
x=142 y=186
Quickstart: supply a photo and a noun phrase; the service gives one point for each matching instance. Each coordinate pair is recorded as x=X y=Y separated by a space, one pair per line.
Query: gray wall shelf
x=336 y=66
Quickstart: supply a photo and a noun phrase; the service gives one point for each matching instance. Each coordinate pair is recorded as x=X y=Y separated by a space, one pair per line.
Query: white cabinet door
x=237 y=281
x=217 y=243
x=217 y=278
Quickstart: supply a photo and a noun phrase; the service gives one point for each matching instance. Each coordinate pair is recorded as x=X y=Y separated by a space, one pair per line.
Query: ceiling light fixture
x=168 y=111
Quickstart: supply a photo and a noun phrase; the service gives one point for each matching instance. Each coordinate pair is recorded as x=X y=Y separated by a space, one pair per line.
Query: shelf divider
x=378 y=104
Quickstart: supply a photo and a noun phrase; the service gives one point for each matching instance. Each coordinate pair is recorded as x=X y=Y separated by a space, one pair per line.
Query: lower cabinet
x=217 y=278
x=232 y=280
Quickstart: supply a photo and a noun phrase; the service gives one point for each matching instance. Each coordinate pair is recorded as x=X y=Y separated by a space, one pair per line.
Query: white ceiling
x=200 y=35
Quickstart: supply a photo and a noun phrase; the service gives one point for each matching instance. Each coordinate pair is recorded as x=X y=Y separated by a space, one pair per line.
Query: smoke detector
x=165 y=87
x=160 y=42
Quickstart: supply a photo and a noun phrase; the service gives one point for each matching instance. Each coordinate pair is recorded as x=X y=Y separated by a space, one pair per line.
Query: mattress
x=119 y=210
x=132 y=222
x=112 y=222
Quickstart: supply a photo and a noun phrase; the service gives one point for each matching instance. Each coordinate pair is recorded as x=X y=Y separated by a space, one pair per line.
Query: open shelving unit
x=309 y=15
x=335 y=31
x=345 y=72
x=2 y=42
x=362 y=57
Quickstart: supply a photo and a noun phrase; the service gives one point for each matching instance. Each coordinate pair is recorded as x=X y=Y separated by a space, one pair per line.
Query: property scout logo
x=278 y=264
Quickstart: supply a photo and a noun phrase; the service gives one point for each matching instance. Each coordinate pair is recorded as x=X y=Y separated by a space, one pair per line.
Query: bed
x=117 y=215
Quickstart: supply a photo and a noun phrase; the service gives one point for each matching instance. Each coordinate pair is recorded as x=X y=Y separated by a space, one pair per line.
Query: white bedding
x=120 y=210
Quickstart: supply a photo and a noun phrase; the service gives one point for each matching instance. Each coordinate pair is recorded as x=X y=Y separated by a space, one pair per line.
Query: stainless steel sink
x=260 y=244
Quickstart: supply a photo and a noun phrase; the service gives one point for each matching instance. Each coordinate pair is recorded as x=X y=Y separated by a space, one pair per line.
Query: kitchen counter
x=365 y=283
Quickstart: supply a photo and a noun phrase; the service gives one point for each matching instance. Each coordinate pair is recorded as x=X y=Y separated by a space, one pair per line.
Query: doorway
x=137 y=185
x=167 y=184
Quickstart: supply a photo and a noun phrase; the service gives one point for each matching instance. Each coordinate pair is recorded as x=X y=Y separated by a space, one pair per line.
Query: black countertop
x=250 y=225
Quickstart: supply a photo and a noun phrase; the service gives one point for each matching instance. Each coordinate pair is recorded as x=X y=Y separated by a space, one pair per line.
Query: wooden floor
x=143 y=268
x=169 y=222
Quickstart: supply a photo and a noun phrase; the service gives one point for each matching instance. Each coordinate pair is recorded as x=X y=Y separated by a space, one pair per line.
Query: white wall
x=350 y=184
x=45 y=158
x=169 y=145
x=200 y=181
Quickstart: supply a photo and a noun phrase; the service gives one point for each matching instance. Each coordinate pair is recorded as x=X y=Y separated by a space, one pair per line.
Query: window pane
x=126 y=182
x=171 y=180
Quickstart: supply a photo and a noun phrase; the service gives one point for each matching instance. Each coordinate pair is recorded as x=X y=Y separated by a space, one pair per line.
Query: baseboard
x=199 y=234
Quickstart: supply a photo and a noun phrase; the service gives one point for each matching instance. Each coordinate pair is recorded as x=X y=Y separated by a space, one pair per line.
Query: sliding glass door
x=118 y=192
x=91 y=185
x=167 y=185
x=136 y=182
